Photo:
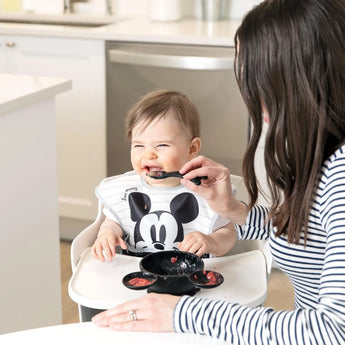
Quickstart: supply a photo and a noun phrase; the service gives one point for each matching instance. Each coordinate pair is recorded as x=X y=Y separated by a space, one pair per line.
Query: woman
x=290 y=66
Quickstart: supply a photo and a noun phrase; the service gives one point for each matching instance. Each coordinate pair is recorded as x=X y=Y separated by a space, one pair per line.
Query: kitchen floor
x=280 y=294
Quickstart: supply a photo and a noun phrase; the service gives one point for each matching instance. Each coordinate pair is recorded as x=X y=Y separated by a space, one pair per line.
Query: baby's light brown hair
x=158 y=104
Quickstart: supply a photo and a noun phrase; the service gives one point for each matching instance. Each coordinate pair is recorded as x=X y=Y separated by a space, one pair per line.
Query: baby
x=144 y=214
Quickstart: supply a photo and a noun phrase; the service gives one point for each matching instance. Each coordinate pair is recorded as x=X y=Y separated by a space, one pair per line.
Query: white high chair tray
x=99 y=285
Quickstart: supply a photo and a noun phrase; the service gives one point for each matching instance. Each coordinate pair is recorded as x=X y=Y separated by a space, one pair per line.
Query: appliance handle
x=172 y=61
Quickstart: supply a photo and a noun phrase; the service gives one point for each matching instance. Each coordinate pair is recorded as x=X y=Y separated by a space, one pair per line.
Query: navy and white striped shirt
x=317 y=273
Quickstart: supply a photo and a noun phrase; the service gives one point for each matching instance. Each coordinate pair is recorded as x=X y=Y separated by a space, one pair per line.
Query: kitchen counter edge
x=188 y=31
x=18 y=91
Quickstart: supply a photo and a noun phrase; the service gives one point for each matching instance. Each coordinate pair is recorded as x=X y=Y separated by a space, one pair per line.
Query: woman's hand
x=216 y=189
x=151 y=313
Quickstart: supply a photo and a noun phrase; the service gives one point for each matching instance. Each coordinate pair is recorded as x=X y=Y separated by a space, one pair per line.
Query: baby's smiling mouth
x=149 y=169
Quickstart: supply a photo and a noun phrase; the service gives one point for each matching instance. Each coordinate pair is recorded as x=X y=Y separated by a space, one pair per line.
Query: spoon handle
x=197 y=180
x=162 y=174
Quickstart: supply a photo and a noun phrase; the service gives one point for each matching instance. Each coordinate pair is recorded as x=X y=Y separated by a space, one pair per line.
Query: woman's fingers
x=202 y=165
x=138 y=326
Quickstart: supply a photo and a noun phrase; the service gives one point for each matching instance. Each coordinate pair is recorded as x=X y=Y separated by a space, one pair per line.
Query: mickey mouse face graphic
x=161 y=230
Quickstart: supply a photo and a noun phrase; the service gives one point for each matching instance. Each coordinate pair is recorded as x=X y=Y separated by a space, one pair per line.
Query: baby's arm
x=218 y=243
x=109 y=236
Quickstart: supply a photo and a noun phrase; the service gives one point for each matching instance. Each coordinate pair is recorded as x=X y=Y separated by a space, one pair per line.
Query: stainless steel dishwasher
x=205 y=74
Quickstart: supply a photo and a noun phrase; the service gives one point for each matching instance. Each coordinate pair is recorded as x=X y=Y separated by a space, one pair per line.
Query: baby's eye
x=163 y=145
x=137 y=146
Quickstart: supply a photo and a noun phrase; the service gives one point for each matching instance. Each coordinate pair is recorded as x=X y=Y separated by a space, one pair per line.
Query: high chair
x=87 y=237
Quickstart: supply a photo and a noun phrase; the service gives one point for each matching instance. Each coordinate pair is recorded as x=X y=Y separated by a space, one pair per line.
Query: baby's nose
x=150 y=154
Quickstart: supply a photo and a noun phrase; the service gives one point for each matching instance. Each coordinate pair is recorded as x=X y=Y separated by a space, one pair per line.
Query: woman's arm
x=224 y=240
x=320 y=318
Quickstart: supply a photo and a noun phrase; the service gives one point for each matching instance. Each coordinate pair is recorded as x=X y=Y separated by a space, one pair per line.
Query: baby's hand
x=105 y=244
x=197 y=243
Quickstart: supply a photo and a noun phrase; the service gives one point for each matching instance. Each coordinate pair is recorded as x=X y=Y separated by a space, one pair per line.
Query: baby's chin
x=168 y=182
x=171 y=182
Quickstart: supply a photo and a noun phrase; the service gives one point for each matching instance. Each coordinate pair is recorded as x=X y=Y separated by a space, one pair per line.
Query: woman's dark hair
x=290 y=62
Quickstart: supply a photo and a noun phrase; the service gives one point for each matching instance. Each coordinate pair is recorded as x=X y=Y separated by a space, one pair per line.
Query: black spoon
x=163 y=174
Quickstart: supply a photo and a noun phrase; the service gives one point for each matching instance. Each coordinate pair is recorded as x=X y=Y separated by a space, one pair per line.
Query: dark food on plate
x=174 y=272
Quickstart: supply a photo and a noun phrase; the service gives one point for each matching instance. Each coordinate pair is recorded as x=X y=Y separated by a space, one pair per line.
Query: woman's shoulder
x=333 y=170
x=336 y=159
x=339 y=153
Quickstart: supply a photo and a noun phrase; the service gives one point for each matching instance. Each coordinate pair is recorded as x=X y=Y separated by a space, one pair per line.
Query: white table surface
x=87 y=333
x=99 y=285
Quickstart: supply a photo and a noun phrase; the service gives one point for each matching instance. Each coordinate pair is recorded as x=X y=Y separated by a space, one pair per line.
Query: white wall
x=231 y=8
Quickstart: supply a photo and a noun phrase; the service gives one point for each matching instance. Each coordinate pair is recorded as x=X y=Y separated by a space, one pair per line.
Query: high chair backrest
x=86 y=237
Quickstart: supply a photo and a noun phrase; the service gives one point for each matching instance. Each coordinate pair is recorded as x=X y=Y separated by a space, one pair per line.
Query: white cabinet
x=8 y=50
x=29 y=248
x=81 y=140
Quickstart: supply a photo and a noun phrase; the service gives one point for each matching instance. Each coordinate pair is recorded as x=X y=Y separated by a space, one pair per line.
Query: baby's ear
x=194 y=147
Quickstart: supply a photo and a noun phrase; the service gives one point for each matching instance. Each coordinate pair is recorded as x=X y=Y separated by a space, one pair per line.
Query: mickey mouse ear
x=139 y=204
x=184 y=207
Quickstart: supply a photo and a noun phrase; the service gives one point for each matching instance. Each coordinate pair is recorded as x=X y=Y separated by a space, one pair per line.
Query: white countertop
x=185 y=31
x=17 y=91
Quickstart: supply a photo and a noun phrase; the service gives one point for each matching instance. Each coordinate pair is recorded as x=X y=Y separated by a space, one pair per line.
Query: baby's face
x=164 y=145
